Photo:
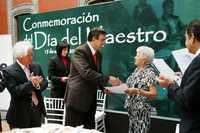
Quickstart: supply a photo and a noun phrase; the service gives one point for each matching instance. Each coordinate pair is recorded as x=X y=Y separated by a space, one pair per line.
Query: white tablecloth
x=53 y=128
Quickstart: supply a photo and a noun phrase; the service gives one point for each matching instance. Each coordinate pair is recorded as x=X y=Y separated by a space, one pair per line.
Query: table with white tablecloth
x=53 y=128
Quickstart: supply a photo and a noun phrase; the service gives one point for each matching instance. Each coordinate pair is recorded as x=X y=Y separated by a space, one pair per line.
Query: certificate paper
x=164 y=69
x=183 y=58
x=118 y=89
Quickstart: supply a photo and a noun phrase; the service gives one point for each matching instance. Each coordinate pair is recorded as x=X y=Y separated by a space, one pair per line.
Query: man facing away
x=25 y=83
x=85 y=77
x=187 y=95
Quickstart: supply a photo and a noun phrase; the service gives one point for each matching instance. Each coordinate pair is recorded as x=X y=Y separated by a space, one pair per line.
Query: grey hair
x=21 y=48
x=147 y=53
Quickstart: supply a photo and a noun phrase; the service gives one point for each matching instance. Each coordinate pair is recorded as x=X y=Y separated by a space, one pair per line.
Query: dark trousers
x=35 y=118
x=76 y=118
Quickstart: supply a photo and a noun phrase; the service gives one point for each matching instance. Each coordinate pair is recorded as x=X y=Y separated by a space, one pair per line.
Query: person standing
x=141 y=89
x=58 y=70
x=187 y=95
x=85 y=77
x=25 y=83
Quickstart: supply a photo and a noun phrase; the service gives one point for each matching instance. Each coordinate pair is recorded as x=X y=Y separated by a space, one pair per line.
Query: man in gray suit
x=85 y=77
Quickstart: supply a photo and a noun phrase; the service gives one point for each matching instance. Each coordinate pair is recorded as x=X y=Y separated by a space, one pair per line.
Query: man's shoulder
x=10 y=69
x=82 y=47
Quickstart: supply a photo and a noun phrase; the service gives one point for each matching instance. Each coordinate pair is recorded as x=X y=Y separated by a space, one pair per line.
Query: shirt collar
x=91 y=48
x=21 y=65
x=197 y=53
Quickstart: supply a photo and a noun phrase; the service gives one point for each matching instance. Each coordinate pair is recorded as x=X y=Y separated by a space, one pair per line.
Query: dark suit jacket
x=84 y=79
x=2 y=84
x=56 y=70
x=187 y=97
x=20 y=90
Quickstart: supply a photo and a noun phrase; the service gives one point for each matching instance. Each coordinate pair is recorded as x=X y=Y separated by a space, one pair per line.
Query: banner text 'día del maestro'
x=127 y=26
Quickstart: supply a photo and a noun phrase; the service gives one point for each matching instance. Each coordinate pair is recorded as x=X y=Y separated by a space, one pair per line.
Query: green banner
x=157 y=23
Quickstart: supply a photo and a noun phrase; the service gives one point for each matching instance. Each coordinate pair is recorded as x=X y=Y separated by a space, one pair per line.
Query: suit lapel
x=31 y=68
x=190 y=68
x=20 y=72
x=98 y=65
x=90 y=56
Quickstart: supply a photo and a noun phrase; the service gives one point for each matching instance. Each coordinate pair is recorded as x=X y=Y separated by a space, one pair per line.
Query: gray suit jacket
x=85 y=77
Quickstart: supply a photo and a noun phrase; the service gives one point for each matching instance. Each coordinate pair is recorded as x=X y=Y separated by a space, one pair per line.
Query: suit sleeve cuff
x=172 y=88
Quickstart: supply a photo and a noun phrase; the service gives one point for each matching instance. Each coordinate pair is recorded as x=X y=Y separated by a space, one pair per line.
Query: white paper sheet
x=164 y=69
x=118 y=89
x=183 y=58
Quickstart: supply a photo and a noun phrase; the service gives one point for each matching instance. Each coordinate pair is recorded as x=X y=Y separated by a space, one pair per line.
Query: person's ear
x=144 y=62
x=93 y=38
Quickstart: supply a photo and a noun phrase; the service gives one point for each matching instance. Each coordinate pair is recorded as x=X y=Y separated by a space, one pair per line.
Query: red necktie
x=95 y=58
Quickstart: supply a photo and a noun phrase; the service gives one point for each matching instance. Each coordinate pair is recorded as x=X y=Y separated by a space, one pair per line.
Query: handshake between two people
x=114 y=81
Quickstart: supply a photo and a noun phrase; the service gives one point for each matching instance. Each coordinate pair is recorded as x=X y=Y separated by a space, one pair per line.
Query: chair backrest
x=101 y=100
x=55 y=110
x=177 y=128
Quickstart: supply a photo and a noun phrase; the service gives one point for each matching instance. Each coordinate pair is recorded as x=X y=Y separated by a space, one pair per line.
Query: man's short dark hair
x=194 y=28
x=95 y=32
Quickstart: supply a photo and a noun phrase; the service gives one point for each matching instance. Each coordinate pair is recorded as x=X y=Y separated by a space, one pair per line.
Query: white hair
x=147 y=53
x=21 y=48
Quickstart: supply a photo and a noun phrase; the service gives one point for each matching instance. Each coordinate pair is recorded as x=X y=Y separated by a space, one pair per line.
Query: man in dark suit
x=187 y=95
x=85 y=77
x=25 y=83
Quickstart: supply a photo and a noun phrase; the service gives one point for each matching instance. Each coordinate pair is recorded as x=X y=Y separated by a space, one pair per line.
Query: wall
x=47 y=5
x=3 y=19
